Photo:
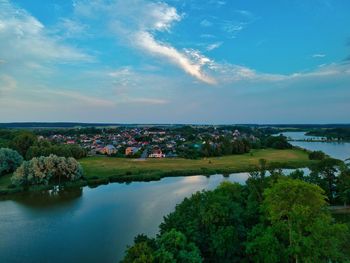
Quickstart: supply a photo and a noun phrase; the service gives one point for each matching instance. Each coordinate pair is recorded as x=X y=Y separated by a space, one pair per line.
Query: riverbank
x=103 y=170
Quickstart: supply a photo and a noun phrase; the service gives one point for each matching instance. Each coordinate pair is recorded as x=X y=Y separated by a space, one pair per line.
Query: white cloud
x=150 y=101
x=214 y=46
x=147 y=42
x=78 y=97
x=206 y=23
x=139 y=22
x=70 y=28
x=230 y=73
x=318 y=55
x=7 y=84
x=25 y=39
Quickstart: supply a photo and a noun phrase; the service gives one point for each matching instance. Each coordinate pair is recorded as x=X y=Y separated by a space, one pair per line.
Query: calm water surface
x=339 y=150
x=92 y=225
x=96 y=224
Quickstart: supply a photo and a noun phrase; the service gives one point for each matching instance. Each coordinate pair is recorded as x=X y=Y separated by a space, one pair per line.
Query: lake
x=339 y=150
x=92 y=224
x=96 y=224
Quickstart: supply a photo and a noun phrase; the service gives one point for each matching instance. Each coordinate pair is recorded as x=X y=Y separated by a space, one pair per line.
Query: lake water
x=92 y=225
x=339 y=150
x=96 y=224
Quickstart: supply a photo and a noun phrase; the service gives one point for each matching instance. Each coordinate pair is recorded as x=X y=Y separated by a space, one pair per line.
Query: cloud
x=7 y=84
x=319 y=55
x=147 y=42
x=232 y=28
x=77 y=96
x=70 y=28
x=206 y=23
x=214 y=46
x=139 y=23
x=150 y=101
x=25 y=39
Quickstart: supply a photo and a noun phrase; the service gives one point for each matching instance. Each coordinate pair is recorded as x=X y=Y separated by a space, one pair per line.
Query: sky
x=175 y=61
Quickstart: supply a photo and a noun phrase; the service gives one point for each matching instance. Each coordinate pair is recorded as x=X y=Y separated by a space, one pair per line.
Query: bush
x=43 y=170
x=277 y=142
x=317 y=155
x=9 y=160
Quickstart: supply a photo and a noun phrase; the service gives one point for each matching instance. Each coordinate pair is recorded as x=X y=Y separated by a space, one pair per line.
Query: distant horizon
x=140 y=123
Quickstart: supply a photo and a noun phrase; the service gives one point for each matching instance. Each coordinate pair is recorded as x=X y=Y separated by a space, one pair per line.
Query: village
x=144 y=142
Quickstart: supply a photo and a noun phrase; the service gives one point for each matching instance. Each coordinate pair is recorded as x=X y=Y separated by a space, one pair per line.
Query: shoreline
x=105 y=170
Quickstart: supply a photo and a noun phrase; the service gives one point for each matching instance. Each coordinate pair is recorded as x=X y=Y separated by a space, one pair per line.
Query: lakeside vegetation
x=270 y=219
x=105 y=167
x=102 y=170
x=340 y=133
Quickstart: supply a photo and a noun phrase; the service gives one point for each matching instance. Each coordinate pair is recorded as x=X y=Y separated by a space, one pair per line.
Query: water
x=301 y=136
x=96 y=224
x=339 y=150
x=92 y=225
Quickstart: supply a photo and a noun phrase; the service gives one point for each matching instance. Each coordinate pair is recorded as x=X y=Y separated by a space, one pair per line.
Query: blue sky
x=175 y=61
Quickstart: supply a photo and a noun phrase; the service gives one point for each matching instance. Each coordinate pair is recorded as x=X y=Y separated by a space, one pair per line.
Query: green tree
x=213 y=221
x=299 y=219
x=174 y=247
x=9 y=160
x=43 y=170
x=23 y=141
x=343 y=185
x=324 y=174
x=143 y=251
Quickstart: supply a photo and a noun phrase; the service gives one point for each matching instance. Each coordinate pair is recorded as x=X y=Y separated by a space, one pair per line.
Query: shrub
x=9 y=160
x=43 y=170
x=317 y=155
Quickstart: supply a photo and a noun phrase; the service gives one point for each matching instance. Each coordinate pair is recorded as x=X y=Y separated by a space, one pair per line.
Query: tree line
x=274 y=218
x=27 y=144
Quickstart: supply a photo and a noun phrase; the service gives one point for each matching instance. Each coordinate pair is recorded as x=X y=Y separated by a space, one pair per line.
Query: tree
x=9 y=160
x=43 y=170
x=343 y=185
x=317 y=155
x=299 y=220
x=173 y=246
x=23 y=141
x=143 y=251
x=324 y=174
x=213 y=221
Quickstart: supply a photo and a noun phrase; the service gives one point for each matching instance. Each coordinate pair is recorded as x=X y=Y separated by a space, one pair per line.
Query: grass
x=105 y=167
x=102 y=170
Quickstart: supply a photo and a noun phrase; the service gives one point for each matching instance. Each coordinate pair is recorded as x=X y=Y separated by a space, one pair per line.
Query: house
x=109 y=150
x=156 y=153
x=131 y=150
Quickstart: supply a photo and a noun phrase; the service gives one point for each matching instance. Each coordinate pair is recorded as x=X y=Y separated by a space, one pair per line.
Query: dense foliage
x=9 y=160
x=43 y=170
x=270 y=219
x=317 y=155
x=333 y=133
x=277 y=142
x=45 y=149
x=28 y=145
x=173 y=246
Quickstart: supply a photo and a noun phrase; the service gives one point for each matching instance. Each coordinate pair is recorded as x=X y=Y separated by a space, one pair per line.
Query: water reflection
x=339 y=150
x=95 y=225
x=51 y=198
x=92 y=225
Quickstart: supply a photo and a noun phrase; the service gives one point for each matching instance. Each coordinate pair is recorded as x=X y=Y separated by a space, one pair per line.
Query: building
x=109 y=150
x=156 y=153
x=131 y=150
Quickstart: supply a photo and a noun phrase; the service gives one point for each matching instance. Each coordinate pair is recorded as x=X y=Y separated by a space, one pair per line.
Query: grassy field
x=106 y=167
x=102 y=170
